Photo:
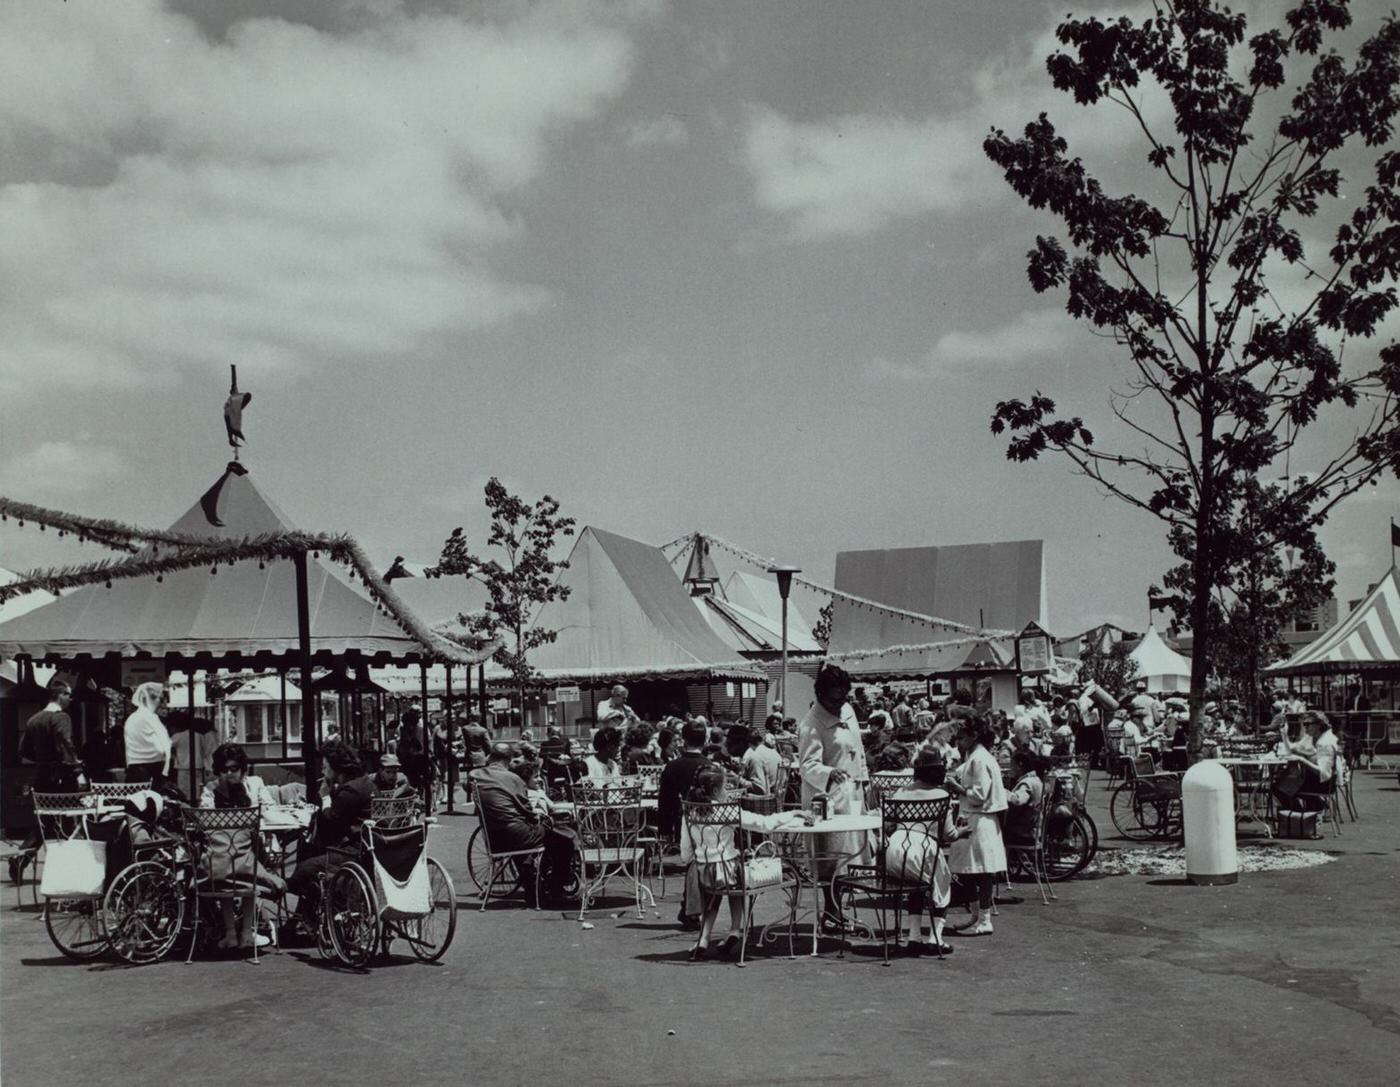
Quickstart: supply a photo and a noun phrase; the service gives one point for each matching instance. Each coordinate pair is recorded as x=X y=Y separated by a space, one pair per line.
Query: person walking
x=47 y=744
x=148 y=746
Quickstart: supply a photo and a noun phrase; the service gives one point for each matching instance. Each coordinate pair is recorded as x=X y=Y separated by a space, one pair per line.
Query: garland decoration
x=850 y=598
x=213 y=552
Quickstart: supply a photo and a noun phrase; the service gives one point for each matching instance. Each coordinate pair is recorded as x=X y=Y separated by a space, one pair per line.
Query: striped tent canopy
x=1366 y=640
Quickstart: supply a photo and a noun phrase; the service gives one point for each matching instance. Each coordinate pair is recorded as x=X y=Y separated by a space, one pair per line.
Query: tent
x=627 y=616
x=1367 y=640
x=12 y=608
x=244 y=614
x=1160 y=665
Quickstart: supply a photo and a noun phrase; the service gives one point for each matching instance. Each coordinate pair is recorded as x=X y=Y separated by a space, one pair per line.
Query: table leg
x=816 y=890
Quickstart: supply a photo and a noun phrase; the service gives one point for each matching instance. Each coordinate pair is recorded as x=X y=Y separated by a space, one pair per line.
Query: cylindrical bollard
x=1208 y=817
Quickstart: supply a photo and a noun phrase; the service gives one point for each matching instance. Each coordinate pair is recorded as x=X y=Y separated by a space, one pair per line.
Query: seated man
x=512 y=823
x=346 y=792
x=390 y=780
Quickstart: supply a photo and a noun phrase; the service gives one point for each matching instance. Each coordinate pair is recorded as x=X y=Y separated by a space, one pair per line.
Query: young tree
x=1112 y=668
x=1222 y=371
x=1270 y=590
x=520 y=585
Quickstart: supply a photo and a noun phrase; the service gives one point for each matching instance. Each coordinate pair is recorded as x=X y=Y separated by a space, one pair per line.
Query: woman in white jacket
x=147 y=741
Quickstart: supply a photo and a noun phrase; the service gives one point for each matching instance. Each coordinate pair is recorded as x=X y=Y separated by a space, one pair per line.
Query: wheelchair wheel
x=76 y=926
x=1136 y=819
x=1068 y=850
x=479 y=867
x=145 y=910
x=350 y=912
x=431 y=935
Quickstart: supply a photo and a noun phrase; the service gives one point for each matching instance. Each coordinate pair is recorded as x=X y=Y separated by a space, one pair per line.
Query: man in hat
x=512 y=823
x=1145 y=710
x=390 y=779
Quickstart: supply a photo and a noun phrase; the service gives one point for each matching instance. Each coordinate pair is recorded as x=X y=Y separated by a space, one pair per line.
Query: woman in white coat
x=981 y=856
x=147 y=740
x=831 y=761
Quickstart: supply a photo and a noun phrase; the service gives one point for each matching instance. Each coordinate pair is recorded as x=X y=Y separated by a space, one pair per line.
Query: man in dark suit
x=512 y=824
x=346 y=792
x=674 y=788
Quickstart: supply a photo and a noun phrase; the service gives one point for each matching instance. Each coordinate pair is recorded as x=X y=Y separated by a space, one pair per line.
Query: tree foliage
x=1231 y=330
x=518 y=585
x=1113 y=668
x=821 y=633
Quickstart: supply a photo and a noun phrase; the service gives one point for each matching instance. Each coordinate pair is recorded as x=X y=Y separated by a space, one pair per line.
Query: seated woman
x=716 y=857
x=346 y=793
x=1304 y=785
x=602 y=766
x=637 y=751
x=1024 y=799
x=234 y=787
x=907 y=854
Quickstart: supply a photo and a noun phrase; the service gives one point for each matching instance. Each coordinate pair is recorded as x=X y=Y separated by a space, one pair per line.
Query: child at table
x=716 y=858
x=916 y=853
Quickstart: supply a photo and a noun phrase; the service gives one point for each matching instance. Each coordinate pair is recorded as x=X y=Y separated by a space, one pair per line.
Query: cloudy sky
x=720 y=265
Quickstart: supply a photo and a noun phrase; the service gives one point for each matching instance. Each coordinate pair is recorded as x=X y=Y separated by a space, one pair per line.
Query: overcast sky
x=734 y=266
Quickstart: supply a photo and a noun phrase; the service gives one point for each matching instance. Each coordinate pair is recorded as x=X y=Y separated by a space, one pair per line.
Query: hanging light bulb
x=213 y=571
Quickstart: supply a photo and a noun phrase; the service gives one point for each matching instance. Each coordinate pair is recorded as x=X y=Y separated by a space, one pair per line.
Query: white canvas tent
x=1160 y=665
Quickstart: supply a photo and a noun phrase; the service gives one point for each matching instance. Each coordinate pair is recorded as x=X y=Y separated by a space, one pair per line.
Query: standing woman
x=147 y=741
x=981 y=856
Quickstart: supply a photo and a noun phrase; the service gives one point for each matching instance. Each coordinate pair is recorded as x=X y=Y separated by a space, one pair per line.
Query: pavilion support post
x=423 y=729
x=194 y=739
x=309 y=703
x=282 y=677
x=447 y=771
x=481 y=686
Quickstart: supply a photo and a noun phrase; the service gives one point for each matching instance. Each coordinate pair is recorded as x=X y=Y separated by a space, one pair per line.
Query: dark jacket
x=350 y=803
x=48 y=739
x=674 y=787
x=504 y=807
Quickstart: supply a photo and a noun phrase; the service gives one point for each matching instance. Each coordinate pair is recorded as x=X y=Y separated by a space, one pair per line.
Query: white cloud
x=1035 y=335
x=61 y=467
x=282 y=198
x=667 y=131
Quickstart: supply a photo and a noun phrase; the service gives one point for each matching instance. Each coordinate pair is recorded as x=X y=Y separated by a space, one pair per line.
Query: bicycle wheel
x=431 y=935
x=1091 y=828
x=1127 y=813
x=352 y=913
x=76 y=926
x=1067 y=850
x=479 y=868
x=145 y=910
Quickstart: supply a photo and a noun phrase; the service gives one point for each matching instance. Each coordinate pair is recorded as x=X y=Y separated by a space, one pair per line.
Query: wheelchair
x=390 y=889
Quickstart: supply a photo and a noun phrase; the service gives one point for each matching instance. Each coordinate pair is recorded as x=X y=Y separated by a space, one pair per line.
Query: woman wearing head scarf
x=147 y=741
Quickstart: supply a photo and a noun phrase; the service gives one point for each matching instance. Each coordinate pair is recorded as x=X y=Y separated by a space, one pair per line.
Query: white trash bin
x=1208 y=818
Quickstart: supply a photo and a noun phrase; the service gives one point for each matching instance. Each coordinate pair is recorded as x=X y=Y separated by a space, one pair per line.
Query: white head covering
x=148 y=696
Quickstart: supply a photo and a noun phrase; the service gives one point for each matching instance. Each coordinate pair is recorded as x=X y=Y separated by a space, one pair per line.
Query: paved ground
x=1286 y=977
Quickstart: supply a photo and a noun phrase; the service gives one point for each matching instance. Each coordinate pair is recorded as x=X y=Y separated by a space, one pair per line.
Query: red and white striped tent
x=1366 y=640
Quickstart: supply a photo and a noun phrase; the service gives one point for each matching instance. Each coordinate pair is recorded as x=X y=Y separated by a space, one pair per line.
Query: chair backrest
x=1075 y=771
x=1141 y=766
x=649 y=777
x=118 y=788
x=397 y=849
x=58 y=807
x=393 y=812
x=608 y=817
x=222 y=838
x=926 y=816
x=713 y=830
x=887 y=782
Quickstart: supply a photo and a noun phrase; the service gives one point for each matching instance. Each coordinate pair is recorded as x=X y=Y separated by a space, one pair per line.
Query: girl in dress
x=981 y=855
x=912 y=855
x=716 y=857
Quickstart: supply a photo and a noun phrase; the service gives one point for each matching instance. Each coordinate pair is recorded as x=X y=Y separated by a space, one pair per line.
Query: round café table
x=833 y=824
x=1247 y=800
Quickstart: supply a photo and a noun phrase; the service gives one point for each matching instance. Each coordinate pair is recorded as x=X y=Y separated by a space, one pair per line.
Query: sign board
x=135 y=673
x=1033 y=655
x=567 y=694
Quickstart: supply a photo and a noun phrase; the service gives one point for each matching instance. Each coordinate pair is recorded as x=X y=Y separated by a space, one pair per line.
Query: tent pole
x=194 y=747
x=423 y=726
x=447 y=770
x=309 y=738
x=282 y=675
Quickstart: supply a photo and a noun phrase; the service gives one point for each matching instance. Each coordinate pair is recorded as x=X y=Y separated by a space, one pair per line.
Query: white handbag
x=762 y=869
x=76 y=868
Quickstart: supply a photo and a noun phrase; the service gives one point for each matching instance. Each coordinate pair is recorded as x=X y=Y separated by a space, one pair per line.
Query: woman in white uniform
x=831 y=760
x=981 y=856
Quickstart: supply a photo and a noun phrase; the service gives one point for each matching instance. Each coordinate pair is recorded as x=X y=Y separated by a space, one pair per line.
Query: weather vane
x=233 y=412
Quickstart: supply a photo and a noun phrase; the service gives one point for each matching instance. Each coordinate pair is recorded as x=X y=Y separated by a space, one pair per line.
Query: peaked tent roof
x=19 y=605
x=1159 y=664
x=1368 y=638
x=264 y=689
x=760 y=595
x=628 y=616
x=746 y=631
x=997 y=586
x=243 y=612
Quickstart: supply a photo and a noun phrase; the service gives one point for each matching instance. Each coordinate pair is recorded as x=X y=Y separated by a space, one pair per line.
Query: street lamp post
x=784 y=575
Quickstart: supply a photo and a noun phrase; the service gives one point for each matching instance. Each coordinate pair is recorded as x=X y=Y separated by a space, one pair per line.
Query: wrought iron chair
x=116 y=790
x=1031 y=853
x=911 y=832
x=222 y=840
x=608 y=820
x=395 y=812
x=74 y=924
x=730 y=862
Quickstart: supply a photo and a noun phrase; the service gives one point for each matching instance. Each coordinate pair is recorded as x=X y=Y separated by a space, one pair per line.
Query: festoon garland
x=213 y=551
x=852 y=599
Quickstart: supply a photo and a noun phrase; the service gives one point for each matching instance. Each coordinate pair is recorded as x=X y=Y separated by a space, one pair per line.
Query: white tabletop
x=834 y=824
x=1251 y=760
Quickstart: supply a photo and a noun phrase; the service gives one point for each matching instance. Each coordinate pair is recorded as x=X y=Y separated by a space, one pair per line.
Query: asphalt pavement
x=1290 y=976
